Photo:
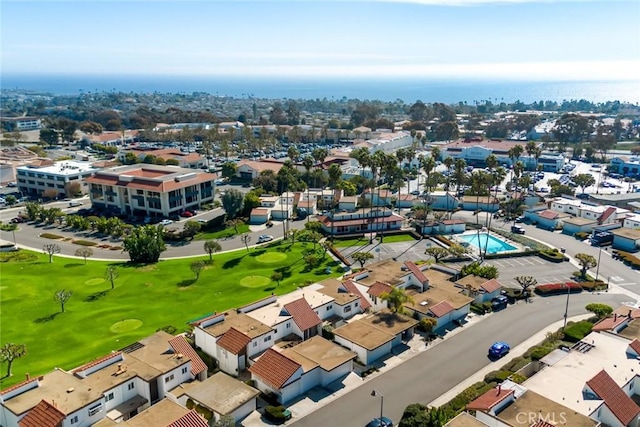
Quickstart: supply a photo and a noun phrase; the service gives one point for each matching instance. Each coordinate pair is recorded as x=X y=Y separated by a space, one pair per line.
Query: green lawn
x=98 y=319
x=221 y=234
x=393 y=238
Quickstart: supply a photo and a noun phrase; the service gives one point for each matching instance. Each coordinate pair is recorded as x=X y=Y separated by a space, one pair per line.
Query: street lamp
x=598 y=265
x=376 y=393
x=566 y=309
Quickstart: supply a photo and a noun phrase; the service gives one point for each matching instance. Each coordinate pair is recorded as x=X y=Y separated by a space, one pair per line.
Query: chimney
x=499 y=389
x=629 y=314
x=28 y=376
x=615 y=317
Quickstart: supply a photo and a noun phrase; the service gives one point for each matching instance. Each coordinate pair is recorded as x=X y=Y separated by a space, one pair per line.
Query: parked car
x=265 y=238
x=499 y=349
x=380 y=422
x=186 y=214
x=17 y=220
x=499 y=302
x=166 y=222
x=75 y=203
x=519 y=219
x=517 y=229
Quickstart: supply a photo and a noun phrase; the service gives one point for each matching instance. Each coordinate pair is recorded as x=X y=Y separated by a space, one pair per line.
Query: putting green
x=92 y=282
x=254 y=281
x=126 y=325
x=271 y=257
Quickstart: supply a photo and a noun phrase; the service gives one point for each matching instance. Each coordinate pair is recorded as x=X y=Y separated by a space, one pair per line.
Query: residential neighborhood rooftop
x=533 y=403
x=386 y=271
x=242 y=322
x=322 y=352
x=272 y=314
x=221 y=393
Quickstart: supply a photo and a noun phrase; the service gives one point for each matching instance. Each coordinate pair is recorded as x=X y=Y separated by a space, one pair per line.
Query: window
x=74 y=419
x=109 y=397
x=184 y=370
x=347 y=309
x=168 y=378
x=267 y=338
x=329 y=307
x=288 y=325
x=95 y=409
x=255 y=343
x=131 y=386
x=356 y=303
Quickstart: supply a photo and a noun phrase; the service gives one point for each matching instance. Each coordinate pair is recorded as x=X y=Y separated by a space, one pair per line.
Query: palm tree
x=497 y=174
x=448 y=162
x=307 y=162
x=530 y=148
x=429 y=166
x=396 y=298
x=479 y=180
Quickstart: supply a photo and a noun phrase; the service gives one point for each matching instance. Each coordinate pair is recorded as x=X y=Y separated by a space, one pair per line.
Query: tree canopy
x=145 y=243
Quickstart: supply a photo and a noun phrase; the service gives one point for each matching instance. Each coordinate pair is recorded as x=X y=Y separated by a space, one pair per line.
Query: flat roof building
x=53 y=180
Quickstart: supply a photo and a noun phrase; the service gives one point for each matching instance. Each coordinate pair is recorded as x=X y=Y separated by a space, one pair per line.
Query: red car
x=186 y=214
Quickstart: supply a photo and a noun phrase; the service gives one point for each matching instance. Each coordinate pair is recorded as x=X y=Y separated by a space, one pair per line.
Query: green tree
x=145 y=243
x=234 y=223
x=277 y=277
x=111 y=274
x=229 y=170
x=61 y=297
x=267 y=180
x=197 y=267
x=437 y=253
x=245 y=239
x=51 y=249
x=396 y=298
x=584 y=180
x=211 y=247
x=525 y=283
x=251 y=201
x=232 y=202
x=10 y=352
x=11 y=200
x=586 y=262
x=600 y=310
x=312 y=260
x=362 y=257
x=191 y=228
x=84 y=253
x=225 y=421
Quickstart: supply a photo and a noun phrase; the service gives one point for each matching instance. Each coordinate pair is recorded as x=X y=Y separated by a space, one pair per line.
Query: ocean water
x=407 y=90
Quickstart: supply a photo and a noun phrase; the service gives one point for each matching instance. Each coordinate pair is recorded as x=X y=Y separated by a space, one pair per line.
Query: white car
x=265 y=238
x=166 y=222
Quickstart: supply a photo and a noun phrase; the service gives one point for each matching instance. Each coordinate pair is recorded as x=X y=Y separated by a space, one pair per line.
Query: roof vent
x=70 y=390
x=179 y=356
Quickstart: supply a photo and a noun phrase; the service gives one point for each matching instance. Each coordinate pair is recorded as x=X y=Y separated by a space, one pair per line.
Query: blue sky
x=508 y=39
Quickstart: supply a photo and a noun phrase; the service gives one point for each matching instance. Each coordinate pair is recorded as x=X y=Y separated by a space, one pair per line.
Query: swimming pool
x=494 y=245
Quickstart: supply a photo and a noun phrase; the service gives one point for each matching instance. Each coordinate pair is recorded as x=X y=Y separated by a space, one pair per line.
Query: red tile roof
x=609 y=323
x=621 y=405
x=606 y=214
x=635 y=345
x=416 y=272
x=190 y=419
x=548 y=214
x=302 y=314
x=97 y=362
x=384 y=219
x=180 y=345
x=379 y=288
x=490 y=399
x=274 y=368
x=442 y=308
x=491 y=286
x=542 y=423
x=233 y=341
x=259 y=211
x=352 y=288
x=43 y=414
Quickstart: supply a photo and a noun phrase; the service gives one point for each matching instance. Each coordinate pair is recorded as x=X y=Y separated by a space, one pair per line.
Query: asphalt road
x=427 y=376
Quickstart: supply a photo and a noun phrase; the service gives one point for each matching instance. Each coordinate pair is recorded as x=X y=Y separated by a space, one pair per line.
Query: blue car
x=499 y=349
x=380 y=422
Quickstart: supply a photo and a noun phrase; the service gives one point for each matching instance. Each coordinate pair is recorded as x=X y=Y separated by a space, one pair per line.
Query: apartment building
x=151 y=190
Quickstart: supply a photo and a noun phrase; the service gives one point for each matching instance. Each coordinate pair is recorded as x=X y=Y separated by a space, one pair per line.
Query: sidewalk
x=515 y=352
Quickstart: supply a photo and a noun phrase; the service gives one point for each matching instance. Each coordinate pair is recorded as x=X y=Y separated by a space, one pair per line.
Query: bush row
x=576 y=331
x=627 y=258
x=552 y=255
x=558 y=288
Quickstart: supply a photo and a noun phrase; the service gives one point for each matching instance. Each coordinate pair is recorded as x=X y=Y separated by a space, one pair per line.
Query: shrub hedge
x=627 y=258
x=275 y=414
x=577 y=331
x=552 y=255
x=51 y=236
x=468 y=395
x=84 y=243
x=557 y=288
x=581 y=235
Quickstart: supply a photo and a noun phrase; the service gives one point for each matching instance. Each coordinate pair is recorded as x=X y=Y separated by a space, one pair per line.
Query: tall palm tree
x=307 y=162
x=530 y=148
x=319 y=155
x=496 y=175
x=401 y=154
x=429 y=167
x=448 y=162
x=378 y=161
x=479 y=180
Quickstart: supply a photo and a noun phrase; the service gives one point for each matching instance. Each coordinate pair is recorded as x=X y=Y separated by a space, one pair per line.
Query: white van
x=74 y=203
